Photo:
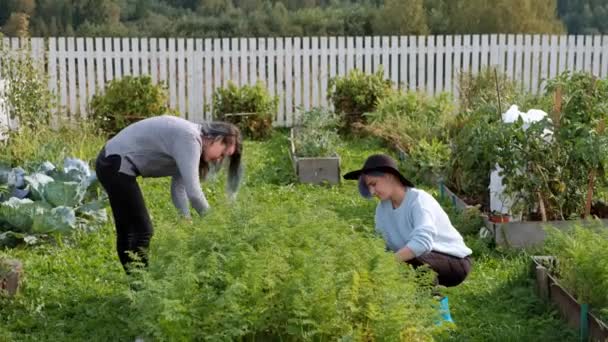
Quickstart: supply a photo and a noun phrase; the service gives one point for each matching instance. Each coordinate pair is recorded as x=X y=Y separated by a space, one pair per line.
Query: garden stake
x=543 y=212
x=601 y=126
x=557 y=108
x=584 y=329
x=589 y=193
x=497 y=91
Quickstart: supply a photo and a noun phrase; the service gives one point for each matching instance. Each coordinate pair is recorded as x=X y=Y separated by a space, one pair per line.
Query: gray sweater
x=164 y=146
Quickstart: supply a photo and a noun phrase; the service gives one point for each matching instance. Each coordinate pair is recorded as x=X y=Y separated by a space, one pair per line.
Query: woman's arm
x=187 y=157
x=422 y=236
x=179 y=197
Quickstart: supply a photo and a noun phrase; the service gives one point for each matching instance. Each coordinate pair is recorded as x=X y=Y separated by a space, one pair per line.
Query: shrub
x=251 y=108
x=480 y=90
x=473 y=131
x=316 y=134
x=427 y=161
x=405 y=118
x=563 y=157
x=26 y=88
x=128 y=100
x=356 y=94
x=473 y=154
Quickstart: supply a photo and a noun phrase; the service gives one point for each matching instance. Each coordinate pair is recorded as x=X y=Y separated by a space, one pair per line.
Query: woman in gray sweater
x=163 y=146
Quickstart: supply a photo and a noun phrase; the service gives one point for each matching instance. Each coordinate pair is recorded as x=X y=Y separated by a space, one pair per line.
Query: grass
x=498 y=303
x=75 y=289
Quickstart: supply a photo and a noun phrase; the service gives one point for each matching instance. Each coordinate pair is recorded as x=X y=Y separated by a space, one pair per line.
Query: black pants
x=133 y=226
x=451 y=270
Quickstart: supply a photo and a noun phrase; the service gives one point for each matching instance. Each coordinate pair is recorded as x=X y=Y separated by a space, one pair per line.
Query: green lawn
x=76 y=290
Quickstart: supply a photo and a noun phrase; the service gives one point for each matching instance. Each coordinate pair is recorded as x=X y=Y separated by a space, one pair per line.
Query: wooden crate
x=315 y=170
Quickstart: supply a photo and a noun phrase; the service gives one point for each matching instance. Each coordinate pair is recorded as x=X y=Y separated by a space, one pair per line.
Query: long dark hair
x=230 y=135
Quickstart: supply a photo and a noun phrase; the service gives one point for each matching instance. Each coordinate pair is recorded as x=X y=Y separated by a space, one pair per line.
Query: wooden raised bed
x=577 y=314
x=10 y=275
x=314 y=170
x=520 y=234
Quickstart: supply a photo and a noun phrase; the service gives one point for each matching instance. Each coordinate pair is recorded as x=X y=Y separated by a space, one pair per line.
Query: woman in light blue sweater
x=412 y=222
x=163 y=146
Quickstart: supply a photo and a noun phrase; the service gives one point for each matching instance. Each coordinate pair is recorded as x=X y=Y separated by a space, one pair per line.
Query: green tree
x=5 y=11
x=53 y=27
x=503 y=16
x=23 y=6
x=214 y=7
x=17 y=25
x=438 y=16
x=358 y=20
x=278 y=23
x=584 y=16
x=401 y=17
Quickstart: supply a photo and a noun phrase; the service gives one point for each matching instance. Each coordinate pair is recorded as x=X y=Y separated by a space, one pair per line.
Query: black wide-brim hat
x=377 y=163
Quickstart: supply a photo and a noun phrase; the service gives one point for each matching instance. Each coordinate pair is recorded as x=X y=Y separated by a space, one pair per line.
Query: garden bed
x=576 y=314
x=10 y=274
x=520 y=234
x=528 y=233
x=315 y=170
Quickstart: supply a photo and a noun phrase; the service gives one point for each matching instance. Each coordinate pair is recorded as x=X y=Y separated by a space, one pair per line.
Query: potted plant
x=496 y=217
x=313 y=149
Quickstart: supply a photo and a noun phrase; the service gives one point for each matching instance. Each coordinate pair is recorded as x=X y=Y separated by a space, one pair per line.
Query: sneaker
x=444 y=309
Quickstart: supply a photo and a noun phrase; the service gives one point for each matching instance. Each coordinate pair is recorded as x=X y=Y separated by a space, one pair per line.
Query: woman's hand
x=405 y=254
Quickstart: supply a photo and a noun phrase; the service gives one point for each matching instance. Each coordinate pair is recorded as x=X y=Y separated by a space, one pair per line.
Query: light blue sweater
x=420 y=224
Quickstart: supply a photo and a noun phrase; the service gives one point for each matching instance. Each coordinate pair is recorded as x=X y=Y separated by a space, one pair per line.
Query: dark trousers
x=451 y=270
x=133 y=226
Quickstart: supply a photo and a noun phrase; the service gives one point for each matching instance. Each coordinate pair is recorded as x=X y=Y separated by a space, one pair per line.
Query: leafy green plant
x=428 y=161
x=251 y=108
x=473 y=154
x=128 y=100
x=58 y=201
x=580 y=126
x=356 y=94
x=316 y=134
x=272 y=273
x=560 y=186
x=480 y=90
x=582 y=263
x=467 y=221
x=405 y=118
x=29 y=100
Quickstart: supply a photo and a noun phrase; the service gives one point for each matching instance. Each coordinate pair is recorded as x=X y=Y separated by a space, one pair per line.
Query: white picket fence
x=298 y=70
x=4 y=118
